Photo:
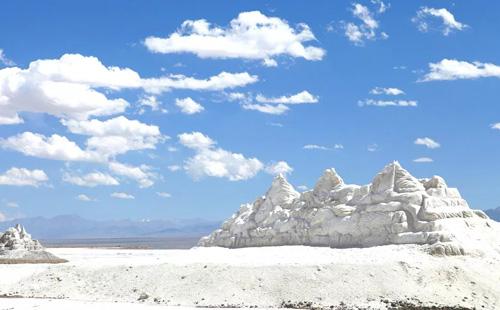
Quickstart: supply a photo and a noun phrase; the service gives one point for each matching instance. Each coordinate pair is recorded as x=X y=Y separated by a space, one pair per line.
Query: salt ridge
x=395 y=208
x=17 y=246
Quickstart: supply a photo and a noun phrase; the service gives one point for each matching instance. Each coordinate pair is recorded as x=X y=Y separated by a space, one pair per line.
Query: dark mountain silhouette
x=494 y=214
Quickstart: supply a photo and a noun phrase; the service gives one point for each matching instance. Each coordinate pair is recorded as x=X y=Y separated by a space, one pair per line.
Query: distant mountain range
x=76 y=227
x=494 y=214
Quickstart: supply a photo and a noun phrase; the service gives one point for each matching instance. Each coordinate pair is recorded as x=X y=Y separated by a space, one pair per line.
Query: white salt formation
x=396 y=208
x=17 y=246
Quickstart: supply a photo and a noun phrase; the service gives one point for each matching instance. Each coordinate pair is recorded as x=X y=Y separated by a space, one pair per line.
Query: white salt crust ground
x=263 y=277
x=63 y=304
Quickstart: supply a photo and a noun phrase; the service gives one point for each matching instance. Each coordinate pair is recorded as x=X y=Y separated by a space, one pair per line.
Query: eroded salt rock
x=17 y=246
x=396 y=208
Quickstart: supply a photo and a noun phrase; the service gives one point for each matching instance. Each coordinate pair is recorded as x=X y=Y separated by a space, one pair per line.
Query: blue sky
x=196 y=119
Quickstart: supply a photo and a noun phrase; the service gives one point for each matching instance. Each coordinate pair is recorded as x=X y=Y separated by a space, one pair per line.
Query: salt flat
x=263 y=277
x=63 y=304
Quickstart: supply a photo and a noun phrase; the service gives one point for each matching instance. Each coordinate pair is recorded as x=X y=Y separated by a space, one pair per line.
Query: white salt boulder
x=17 y=246
x=396 y=208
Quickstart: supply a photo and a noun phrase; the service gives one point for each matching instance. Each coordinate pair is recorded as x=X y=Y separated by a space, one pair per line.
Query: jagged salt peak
x=16 y=238
x=328 y=181
x=395 y=178
x=396 y=208
x=281 y=192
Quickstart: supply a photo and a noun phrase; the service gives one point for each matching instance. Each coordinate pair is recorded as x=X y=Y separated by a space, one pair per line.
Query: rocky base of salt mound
x=17 y=247
x=396 y=208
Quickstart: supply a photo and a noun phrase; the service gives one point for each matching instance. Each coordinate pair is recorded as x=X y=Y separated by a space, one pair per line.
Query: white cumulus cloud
x=299 y=98
x=65 y=87
x=280 y=167
x=216 y=162
x=266 y=108
x=116 y=136
x=189 y=106
x=495 y=126
x=141 y=174
x=221 y=81
x=78 y=87
x=92 y=179
x=452 y=69
x=110 y=146
x=23 y=177
x=98 y=148
x=271 y=105
x=54 y=147
x=118 y=126
x=252 y=35
x=196 y=140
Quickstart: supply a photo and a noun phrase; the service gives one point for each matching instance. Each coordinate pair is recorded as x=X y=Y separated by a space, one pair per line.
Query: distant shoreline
x=124 y=243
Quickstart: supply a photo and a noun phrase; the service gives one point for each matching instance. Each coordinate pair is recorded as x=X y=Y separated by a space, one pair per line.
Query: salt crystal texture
x=396 y=208
x=17 y=246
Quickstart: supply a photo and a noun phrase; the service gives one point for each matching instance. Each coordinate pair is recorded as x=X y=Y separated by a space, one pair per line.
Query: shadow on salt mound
x=17 y=247
x=395 y=208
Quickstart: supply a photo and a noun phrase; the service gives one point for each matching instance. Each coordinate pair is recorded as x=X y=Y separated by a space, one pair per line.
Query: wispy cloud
x=372 y=147
x=367 y=28
x=302 y=187
x=387 y=103
x=322 y=147
x=83 y=197
x=121 y=195
x=423 y=160
x=4 y=60
x=391 y=91
x=446 y=23
x=164 y=194
x=427 y=142
x=174 y=168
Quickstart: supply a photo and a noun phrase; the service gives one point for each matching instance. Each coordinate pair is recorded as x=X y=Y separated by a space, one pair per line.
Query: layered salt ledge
x=396 y=208
x=17 y=246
